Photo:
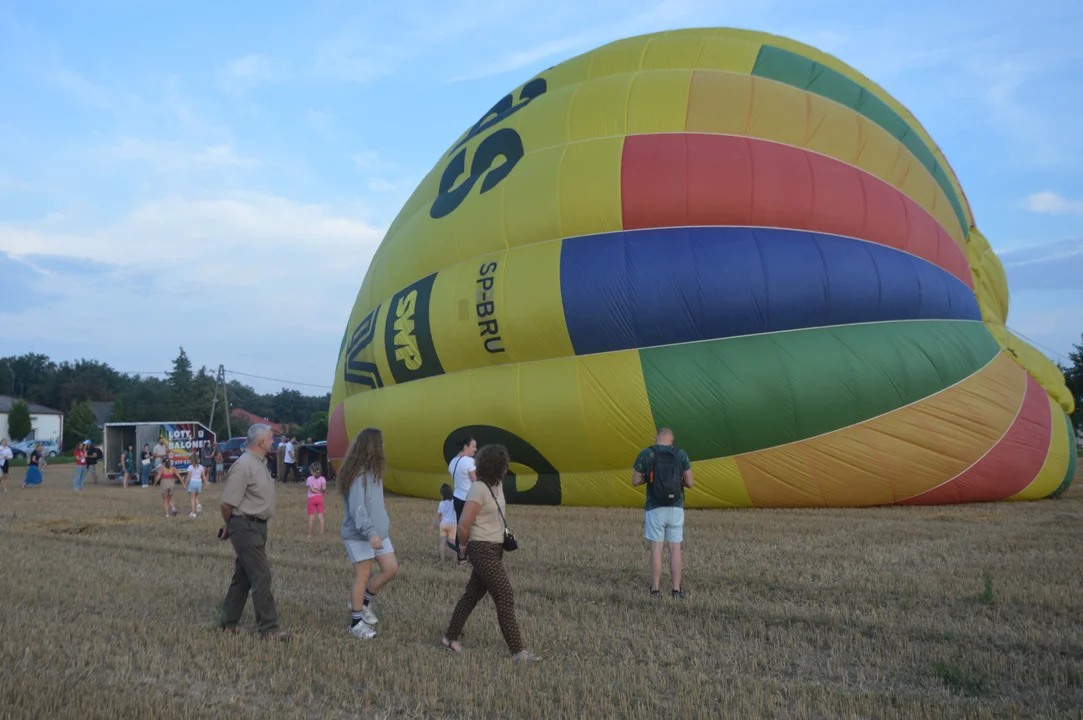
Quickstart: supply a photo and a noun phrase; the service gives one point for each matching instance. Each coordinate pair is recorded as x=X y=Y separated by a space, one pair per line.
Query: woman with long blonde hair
x=365 y=527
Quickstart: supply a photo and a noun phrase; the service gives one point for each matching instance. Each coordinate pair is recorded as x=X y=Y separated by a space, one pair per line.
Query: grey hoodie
x=365 y=514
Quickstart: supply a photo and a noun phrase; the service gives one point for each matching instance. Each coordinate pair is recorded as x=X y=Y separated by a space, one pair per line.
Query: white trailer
x=184 y=438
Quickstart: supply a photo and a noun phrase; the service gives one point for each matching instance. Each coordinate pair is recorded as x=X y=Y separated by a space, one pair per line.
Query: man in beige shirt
x=248 y=502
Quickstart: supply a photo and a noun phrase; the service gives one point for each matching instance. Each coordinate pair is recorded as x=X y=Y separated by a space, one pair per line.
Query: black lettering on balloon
x=504 y=143
x=504 y=108
x=358 y=371
x=546 y=490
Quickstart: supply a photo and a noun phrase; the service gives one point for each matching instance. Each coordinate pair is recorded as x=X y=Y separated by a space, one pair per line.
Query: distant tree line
x=1073 y=378
x=183 y=394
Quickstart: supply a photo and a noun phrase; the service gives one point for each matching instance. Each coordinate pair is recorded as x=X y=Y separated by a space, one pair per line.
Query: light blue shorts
x=360 y=550
x=195 y=486
x=665 y=524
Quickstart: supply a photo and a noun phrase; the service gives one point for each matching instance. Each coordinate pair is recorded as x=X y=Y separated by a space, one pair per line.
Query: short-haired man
x=289 y=459
x=667 y=472
x=160 y=452
x=248 y=502
x=93 y=454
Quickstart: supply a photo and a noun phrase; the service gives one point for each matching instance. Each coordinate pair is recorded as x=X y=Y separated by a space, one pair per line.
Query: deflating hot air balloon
x=722 y=232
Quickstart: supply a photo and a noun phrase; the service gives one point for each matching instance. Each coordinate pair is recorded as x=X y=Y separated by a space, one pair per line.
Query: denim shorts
x=665 y=524
x=360 y=550
x=195 y=486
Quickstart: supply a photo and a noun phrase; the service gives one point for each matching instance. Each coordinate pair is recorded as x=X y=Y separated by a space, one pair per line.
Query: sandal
x=451 y=645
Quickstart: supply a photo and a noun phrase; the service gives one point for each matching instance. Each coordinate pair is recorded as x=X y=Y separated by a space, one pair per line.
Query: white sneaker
x=191 y=515
x=199 y=507
x=362 y=631
x=368 y=616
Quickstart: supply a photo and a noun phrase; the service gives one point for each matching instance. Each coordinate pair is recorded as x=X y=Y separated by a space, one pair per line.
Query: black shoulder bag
x=510 y=543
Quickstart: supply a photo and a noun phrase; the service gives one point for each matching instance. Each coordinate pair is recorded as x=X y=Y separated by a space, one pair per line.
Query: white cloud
x=319 y=121
x=522 y=58
x=221 y=155
x=372 y=161
x=383 y=185
x=662 y=15
x=1053 y=203
x=359 y=52
x=205 y=256
x=247 y=72
x=171 y=156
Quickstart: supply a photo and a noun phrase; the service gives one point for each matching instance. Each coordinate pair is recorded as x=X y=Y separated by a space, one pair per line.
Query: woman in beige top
x=481 y=529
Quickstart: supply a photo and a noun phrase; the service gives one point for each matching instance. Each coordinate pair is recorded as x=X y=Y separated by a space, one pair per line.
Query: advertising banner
x=185 y=441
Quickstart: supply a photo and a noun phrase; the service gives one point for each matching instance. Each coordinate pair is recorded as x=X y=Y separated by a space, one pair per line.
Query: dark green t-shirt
x=643 y=466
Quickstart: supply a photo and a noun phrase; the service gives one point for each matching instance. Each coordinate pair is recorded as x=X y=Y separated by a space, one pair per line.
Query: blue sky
x=218 y=175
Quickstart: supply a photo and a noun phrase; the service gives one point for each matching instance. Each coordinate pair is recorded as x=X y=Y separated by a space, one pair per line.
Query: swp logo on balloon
x=408 y=334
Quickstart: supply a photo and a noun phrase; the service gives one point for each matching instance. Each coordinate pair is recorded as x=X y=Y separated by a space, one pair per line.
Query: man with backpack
x=666 y=471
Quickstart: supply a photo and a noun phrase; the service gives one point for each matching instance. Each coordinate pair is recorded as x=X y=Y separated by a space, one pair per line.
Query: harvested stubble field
x=109 y=609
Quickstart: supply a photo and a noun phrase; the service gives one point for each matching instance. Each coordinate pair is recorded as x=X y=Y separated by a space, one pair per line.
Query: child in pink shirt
x=317 y=486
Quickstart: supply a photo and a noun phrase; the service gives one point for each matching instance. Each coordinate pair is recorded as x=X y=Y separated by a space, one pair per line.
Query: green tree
x=79 y=425
x=119 y=410
x=181 y=392
x=289 y=407
x=1073 y=378
x=19 y=421
x=29 y=376
x=239 y=424
x=315 y=428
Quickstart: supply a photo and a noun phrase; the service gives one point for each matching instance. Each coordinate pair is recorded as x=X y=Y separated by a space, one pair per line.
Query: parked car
x=23 y=449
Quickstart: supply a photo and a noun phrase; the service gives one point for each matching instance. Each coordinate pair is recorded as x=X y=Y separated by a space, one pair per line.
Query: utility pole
x=220 y=382
x=225 y=398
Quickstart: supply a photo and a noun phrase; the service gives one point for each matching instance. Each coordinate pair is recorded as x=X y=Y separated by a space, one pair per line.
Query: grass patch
x=962 y=681
x=790 y=614
x=55 y=460
x=985 y=597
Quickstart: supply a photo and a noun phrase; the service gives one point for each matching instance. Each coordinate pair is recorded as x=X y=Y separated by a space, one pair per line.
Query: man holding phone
x=248 y=500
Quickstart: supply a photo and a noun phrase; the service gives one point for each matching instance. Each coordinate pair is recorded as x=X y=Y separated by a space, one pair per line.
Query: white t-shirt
x=446 y=508
x=197 y=473
x=289 y=453
x=461 y=472
x=6 y=453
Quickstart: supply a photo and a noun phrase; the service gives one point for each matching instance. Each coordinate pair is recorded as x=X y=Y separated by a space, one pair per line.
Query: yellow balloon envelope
x=722 y=232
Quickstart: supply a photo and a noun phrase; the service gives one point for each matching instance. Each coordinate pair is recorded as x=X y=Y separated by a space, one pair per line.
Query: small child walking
x=196 y=473
x=317 y=488
x=445 y=515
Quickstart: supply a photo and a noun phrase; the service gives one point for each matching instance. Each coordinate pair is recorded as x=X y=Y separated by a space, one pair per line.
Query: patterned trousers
x=489 y=577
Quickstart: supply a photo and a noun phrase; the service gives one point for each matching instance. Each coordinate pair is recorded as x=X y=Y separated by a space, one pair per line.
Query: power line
x=1038 y=344
x=287 y=382
x=231 y=372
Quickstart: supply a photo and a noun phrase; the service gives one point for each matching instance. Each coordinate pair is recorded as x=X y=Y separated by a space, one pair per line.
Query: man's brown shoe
x=276 y=635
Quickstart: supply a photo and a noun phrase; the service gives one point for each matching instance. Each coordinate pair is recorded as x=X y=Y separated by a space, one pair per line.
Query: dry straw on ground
x=108 y=609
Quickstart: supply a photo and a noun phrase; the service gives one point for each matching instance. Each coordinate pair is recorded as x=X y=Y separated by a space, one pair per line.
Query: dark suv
x=231 y=450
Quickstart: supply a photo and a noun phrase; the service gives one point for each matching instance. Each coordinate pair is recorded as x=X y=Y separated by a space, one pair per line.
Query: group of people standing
x=87 y=455
x=481 y=537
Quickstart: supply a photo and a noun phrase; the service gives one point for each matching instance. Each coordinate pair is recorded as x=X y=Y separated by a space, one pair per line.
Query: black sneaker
x=678 y=594
x=654 y=592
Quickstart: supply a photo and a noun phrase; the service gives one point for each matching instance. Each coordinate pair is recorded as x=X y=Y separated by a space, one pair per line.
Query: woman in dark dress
x=33 y=472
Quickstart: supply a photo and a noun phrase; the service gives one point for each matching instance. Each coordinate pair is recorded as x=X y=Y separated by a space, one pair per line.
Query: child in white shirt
x=445 y=515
